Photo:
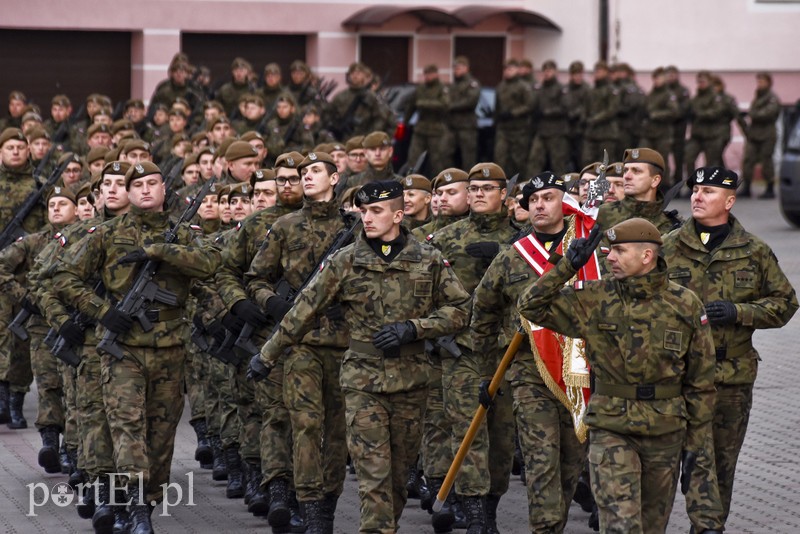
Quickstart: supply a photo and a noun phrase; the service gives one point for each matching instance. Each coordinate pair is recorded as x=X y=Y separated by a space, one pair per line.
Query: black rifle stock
x=17 y=326
x=144 y=289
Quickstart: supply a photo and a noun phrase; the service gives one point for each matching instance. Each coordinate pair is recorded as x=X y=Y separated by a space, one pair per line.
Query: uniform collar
x=489 y=222
x=366 y=257
x=646 y=285
x=642 y=208
x=319 y=209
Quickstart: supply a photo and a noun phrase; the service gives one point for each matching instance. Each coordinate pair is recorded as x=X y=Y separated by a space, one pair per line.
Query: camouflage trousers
x=276 y=428
x=511 y=150
x=703 y=504
x=383 y=437
x=548 y=153
x=464 y=142
x=72 y=437
x=248 y=416
x=711 y=147
x=96 y=454
x=143 y=394
x=434 y=144
x=315 y=403
x=15 y=356
x=553 y=455
x=437 y=454
x=756 y=152
x=461 y=378
x=634 y=479
x=49 y=383
x=196 y=369
x=219 y=398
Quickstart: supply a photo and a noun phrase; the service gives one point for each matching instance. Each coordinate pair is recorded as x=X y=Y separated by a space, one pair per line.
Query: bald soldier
x=738 y=278
x=395 y=292
x=649 y=345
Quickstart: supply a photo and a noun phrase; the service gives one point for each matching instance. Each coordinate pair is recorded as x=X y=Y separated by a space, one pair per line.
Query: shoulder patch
x=238 y=225
x=577 y=285
x=62 y=239
x=428 y=237
x=196 y=227
x=446 y=263
x=91 y=230
x=704 y=319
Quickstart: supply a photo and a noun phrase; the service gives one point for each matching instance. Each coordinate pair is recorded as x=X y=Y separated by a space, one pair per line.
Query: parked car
x=789 y=175
x=397 y=97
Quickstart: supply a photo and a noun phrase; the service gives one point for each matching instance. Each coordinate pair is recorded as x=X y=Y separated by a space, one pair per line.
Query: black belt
x=638 y=392
x=724 y=353
x=156 y=316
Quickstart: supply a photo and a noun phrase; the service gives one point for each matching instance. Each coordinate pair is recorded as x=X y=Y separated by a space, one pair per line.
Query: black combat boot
x=76 y=476
x=15 y=407
x=138 y=510
x=519 y=462
x=296 y=522
x=594 y=519
x=235 y=489
x=122 y=520
x=5 y=409
x=329 y=512
x=475 y=512
x=279 y=514
x=258 y=503
x=768 y=193
x=491 y=514
x=103 y=517
x=442 y=520
x=583 y=492
x=63 y=458
x=413 y=482
x=312 y=512
x=48 y=454
x=219 y=469
x=202 y=453
x=86 y=501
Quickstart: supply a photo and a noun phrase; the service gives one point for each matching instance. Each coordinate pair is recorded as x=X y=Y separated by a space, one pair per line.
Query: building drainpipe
x=603 y=26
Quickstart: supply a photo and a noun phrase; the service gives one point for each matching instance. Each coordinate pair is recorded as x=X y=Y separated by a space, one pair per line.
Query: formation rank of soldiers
x=315 y=306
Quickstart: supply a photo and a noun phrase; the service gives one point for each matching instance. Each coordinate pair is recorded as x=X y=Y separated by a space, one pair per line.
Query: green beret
x=416 y=181
x=378 y=192
x=354 y=143
x=337 y=146
x=449 y=176
x=121 y=124
x=97 y=128
x=70 y=157
x=323 y=147
x=261 y=175
x=316 y=157
x=112 y=154
x=37 y=132
x=239 y=150
x=616 y=169
x=191 y=159
x=84 y=191
x=644 y=155
x=140 y=170
x=243 y=189
x=250 y=136
x=61 y=191
x=12 y=133
x=223 y=147
x=486 y=171
x=136 y=144
x=289 y=160
x=376 y=139
x=634 y=230
x=592 y=168
x=96 y=153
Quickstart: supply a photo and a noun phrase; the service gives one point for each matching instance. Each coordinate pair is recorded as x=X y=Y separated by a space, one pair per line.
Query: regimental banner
x=561 y=360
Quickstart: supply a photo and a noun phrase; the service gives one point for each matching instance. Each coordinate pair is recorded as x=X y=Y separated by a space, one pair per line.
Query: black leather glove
x=233 y=322
x=484 y=398
x=197 y=321
x=250 y=312
x=257 y=370
x=134 y=256
x=30 y=306
x=485 y=249
x=688 y=461
x=277 y=308
x=721 y=312
x=580 y=250
x=71 y=333
x=334 y=313
x=116 y=321
x=216 y=330
x=394 y=335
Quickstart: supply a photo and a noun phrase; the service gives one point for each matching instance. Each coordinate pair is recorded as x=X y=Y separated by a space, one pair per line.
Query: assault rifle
x=61 y=348
x=144 y=289
x=244 y=346
x=13 y=229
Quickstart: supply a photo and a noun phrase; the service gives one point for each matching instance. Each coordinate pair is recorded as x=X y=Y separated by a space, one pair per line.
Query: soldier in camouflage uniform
x=356 y=110
x=679 y=128
x=631 y=107
x=431 y=100
x=416 y=201
x=550 y=148
x=470 y=245
x=143 y=392
x=16 y=261
x=301 y=83
x=602 y=108
x=16 y=183
x=706 y=109
x=661 y=112
x=285 y=132
x=178 y=85
x=293 y=250
x=465 y=92
x=644 y=169
x=229 y=94
x=652 y=355
x=738 y=278
x=512 y=120
x=761 y=136
x=553 y=455
x=575 y=102
x=379 y=150
x=384 y=373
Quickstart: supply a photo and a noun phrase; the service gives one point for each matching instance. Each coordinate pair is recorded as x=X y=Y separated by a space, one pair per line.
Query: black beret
x=545 y=180
x=378 y=192
x=715 y=177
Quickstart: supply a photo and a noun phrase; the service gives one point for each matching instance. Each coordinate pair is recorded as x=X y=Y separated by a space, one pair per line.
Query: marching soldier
x=384 y=374
x=738 y=278
x=679 y=131
x=761 y=136
x=416 y=201
x=706 y=109
x=379 y=151
x=662 y=109
x=144 y=392
x=356 y=110
x=602 y=108
x=285 y=132
x=465 y=92
x=550 y=149
x=431 y=100
x=512 y=120
x=575 y=102
x=650 y=349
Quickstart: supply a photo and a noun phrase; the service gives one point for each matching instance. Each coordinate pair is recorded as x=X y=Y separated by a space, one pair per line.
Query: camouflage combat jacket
x=764 y=111
x=640 y=331
x=743 y=270
x=465 y=92
x=707 y=108
x=417 y=285
x=602 y=108
x=615 y=212
x=663 y=110
x=101 y=249
x=15 y=186
x=431 y=101
x=550 y=110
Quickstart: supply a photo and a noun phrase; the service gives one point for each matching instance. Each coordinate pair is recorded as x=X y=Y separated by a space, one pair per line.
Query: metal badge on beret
x=700 y=176
x=362 y=196
x=115 y=166
x=312 y=156
x=449 y=177
x=537 y=183
x=139 y=168
x=486 y=172
x=290 y=161
x=612 y=235
x=635 y=153
x=409 y=182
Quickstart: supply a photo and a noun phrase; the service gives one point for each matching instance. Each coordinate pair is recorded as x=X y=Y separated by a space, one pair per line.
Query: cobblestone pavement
x=766 y=495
